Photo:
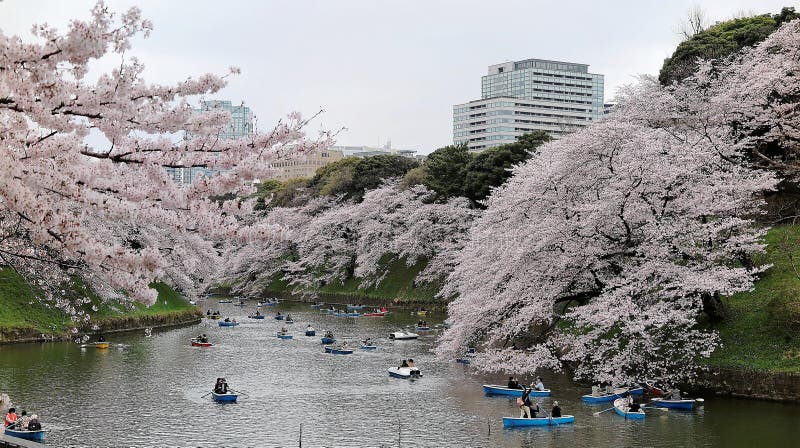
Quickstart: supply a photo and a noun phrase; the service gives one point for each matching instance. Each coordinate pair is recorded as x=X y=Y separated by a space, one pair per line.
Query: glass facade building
x=524 y=96
x=241 y=125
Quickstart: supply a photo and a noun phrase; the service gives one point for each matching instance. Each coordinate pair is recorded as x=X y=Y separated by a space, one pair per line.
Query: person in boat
x=404 y=364
x=258 y=313
x=227 y=319
x=556 y=411
x=539 y=385
x=383 y=309
x=674 y=394
x=34 y=424
x=634 y=406
x=411 y=362
x=283 y=330
x=216 y=313
x=309 y=328
x=513 y=383
x=329 y=334
x=11 y=418
x=204 y=339
x=208 y=312
x=23 y=421
x=288 y=317
x=524 y=403
x=221 y=387
x=596 y=390
x=367 y=341
x=101 y=338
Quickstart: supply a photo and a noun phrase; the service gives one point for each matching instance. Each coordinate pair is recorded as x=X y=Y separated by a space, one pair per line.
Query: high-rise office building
x=241 y=125
x=530 y=95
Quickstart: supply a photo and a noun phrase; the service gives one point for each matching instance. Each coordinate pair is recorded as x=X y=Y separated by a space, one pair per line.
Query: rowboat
x=28 y=435
x=213 y=316
x=289 y=321
x=326 y=340
x=463 y=361
x=621 y=408
x=328 y=348
x=422 y=328
x=497 y=389
x=269 y=303
x=618 y=393
x=101 y=345
x=539 y=421
x=404 y=372
x=226 y=301
x=279 y=316
x=284 y=336
x=401 y=335
x=355 y=307
x=422 y=313
x=311 y=333
x=342 y=351
x=240 y=304
x=259 y=316
x=228 y=324
x=224 y=398
x=317 y=305
x=369 y=347
x=379 y=314
x=201 y=344
x=675 y=404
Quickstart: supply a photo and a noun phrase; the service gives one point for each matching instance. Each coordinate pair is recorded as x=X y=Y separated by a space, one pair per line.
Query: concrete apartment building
x=241 y=125
x=367 y=151
x=305 y=167
x=529 y=95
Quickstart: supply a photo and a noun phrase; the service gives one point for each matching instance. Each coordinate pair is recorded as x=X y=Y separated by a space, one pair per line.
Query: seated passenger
x=539 y=385
x=634 y=406
x=404 y=364
x=513 y=383
x=556 y=411
x=596 y=390
x=410 y=362
x=34 y=424
x=101 y=338
x=23 y=422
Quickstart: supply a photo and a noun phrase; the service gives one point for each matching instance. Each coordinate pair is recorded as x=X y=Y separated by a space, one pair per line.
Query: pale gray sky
x=386 y=69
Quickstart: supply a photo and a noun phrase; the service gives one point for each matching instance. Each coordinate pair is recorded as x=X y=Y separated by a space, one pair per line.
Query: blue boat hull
x=422 y=328
x=311 y=333
x=278 y=317
x=368 y=347
x=629 y=415
x=256 y=317
x=496 y=389
x=609 y=398
x=228 y=324
x=285 y=336
x=466 y=361
x=328 y=349
x=341 y=352
x=509 y=422
x=674 y=404
x=328 y=340
x=27 y=435
x=224 y=398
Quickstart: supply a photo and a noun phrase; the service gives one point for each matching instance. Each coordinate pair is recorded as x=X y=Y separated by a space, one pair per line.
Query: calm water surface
x=150 y=393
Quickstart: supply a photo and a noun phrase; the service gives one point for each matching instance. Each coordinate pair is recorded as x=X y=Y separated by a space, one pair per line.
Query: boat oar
x=238 y=392
x=604 y=410
x=699 y=400
x=204 y=396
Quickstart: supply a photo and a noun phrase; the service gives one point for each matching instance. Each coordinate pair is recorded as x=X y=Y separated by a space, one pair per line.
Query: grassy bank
x=761 y=329
x=21 y=313
x=398 y=287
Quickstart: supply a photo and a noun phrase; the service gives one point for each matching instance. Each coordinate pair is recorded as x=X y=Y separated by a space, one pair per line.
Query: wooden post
x=301 y=436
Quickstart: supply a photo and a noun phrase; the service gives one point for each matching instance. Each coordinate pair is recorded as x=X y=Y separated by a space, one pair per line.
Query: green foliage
x=20 y=309
x=289 y=193
x=446 y=169
x=352 y=176
x=413 y=177
x=759 y=330
x=491 y=168
x=720 y=40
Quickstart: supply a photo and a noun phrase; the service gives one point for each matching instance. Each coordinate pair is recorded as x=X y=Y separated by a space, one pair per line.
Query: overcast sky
x=386 y=69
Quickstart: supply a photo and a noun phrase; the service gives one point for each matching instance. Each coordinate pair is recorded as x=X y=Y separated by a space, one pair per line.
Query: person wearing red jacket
x=11 y=418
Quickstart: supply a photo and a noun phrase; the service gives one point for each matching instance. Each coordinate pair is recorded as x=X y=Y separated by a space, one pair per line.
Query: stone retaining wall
x=751 y=383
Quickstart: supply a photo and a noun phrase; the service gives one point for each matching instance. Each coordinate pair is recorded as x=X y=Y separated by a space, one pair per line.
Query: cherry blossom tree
x=110 y=210
x=601 y=251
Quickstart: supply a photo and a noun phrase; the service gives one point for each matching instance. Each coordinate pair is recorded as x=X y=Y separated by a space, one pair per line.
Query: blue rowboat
x=675 y=404
x=269 y=303
x=279 y=317
x=222 y=323
x=330 y=311
x=289 y=321
x=496 y=389
x=260 y=316
x=419 y=328
x=224 y=398
x=605 y=398
x=539 y=421
x=355 y=307
x=328 y=349
x=369 y=347
x=317 y=305
x=404 y=372
x=284 y=336
x=226 y=301
x=28 y=435
x=342 y=351
x=467 y=361
x=311 y=333
x=328 y=340
x=621 y=408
